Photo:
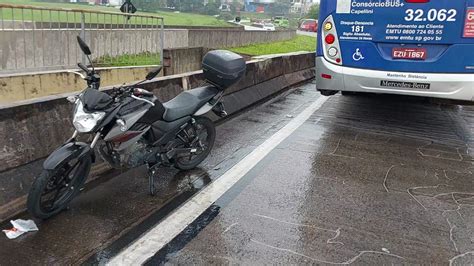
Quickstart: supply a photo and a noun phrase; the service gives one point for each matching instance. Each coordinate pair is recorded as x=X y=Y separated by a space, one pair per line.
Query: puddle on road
x=98 y=217
x=184 y=184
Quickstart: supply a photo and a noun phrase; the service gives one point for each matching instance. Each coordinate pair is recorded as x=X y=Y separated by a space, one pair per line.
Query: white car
x=269 y=26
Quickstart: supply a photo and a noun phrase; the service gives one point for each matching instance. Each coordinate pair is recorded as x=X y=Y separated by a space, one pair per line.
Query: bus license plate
x=409 y=53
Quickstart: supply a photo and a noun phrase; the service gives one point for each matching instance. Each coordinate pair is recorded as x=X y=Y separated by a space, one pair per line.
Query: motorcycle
x=129 y=127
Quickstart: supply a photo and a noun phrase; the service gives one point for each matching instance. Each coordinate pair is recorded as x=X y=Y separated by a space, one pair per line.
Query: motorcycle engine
x=135 y=155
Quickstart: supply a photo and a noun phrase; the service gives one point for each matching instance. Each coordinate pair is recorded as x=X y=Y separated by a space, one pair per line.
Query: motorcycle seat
x=188 y=102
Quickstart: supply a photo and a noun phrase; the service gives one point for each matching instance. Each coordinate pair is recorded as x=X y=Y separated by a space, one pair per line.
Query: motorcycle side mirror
x=152 y=74
x=85 y=49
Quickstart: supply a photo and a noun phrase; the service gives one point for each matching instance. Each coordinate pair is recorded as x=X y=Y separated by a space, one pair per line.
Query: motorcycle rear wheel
x=64 y=183
x=206 y=131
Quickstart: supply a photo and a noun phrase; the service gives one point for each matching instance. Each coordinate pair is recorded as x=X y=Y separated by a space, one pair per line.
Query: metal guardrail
x=37 y=38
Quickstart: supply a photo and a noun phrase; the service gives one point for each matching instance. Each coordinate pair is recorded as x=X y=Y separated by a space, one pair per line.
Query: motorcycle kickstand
x=151 y=180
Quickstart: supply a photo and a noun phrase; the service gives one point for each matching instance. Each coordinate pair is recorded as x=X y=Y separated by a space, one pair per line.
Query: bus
x=408 y=47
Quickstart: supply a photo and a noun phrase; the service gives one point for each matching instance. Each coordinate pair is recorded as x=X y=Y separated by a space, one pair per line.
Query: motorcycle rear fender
x=204 y=109
x=65 y=153
x=209 y=105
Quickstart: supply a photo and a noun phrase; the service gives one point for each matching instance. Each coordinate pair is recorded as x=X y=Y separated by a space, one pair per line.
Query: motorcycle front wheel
x=52 y=190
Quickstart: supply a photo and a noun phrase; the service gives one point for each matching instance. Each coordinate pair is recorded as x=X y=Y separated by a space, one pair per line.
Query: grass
x=170 y=18
x=143 y=59
x=251 y=15
x=299 y=43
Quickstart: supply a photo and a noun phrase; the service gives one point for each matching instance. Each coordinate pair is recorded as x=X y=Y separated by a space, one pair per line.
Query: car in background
x=310 y=25
x=281 y=21
x=264 y=26
x=269 y=26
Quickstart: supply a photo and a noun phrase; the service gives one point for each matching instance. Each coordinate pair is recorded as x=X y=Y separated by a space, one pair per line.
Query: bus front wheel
x=327 y=92
x=348 y=93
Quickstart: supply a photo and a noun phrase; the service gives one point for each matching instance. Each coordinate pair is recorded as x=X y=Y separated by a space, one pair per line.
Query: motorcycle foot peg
x=170 y=154
x=223 y=113
x=219 y=110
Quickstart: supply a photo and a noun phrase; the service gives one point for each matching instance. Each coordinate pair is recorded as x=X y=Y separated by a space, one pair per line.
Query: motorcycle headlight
x=86 y=122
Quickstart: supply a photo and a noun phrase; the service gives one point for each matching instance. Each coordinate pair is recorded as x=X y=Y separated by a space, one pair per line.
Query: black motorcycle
x=130 y=127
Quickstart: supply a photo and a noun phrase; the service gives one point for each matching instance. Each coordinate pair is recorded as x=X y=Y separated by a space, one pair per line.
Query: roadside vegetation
x=299 y=43
x=170 y=18
x=313 y=12
x=143 y=59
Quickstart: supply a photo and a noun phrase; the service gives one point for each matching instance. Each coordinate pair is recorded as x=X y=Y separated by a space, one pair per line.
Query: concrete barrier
x=181 y=60
x=31 y=130
x=21 y=87
x=225 y=38
x=53 y=49
x=58 y=49
x=63 y=25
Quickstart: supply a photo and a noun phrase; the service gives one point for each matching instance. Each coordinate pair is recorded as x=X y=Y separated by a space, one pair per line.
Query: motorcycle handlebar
x=131 y=91
x=120 y=90
x=83 y=67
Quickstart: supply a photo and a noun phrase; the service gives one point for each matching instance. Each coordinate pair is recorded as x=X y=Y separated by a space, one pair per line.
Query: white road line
x=155 y=239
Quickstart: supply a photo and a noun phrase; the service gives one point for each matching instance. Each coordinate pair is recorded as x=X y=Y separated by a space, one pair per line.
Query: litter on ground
x=20 y=227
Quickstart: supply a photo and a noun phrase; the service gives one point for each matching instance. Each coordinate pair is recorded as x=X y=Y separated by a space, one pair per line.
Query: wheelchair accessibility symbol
x=357 y=56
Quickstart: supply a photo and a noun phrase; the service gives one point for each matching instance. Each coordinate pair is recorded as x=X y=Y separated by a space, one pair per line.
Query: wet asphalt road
x=365 y=180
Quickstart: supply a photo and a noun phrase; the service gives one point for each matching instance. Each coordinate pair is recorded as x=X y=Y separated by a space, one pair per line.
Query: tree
x=313 y=12
x=173 y=3
x=280 y=7
x=236 y=7
x=149 y=5
x=187 y=5
x=212 y=7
